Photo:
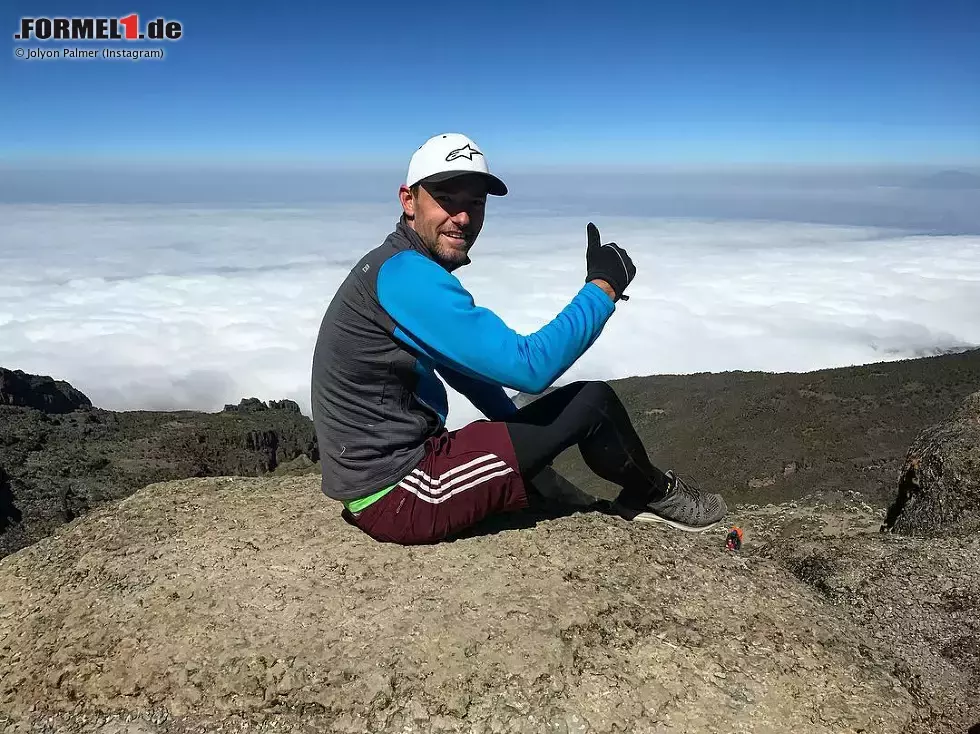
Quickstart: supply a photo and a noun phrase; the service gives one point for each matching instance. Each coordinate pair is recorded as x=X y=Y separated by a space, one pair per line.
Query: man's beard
x=447 y=256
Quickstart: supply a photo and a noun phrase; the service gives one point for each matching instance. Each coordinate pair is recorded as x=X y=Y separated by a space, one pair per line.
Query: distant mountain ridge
x=762 y=437
x=950 y=179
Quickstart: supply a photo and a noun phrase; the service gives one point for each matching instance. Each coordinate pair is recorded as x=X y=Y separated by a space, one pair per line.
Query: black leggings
x=590 y=415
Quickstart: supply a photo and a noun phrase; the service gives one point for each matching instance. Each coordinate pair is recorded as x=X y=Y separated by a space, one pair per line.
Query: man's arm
x=491 y=400
x=437 y=316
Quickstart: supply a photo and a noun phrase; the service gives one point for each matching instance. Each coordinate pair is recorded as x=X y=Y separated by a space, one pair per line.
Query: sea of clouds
x=176 y=304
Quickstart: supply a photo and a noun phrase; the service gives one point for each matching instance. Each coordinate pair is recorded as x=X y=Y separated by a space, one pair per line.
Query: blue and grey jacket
x=399 y=322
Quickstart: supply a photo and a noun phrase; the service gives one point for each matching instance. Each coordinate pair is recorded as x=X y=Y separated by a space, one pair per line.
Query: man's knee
x=597 y=392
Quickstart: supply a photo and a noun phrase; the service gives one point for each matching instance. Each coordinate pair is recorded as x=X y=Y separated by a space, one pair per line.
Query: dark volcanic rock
x=40 y=392
x=939 y=489
x=9 y=512
x=254 y=405
x=290 y=406
x=266 y=444
x=247 y=405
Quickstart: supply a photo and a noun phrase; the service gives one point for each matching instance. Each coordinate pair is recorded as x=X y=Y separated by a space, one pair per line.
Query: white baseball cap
x=447 y=155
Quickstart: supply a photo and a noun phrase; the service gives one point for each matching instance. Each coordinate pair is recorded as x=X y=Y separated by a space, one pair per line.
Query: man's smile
x=457 y=237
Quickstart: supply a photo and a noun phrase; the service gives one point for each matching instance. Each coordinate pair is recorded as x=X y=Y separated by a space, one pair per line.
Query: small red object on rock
x=734 y=540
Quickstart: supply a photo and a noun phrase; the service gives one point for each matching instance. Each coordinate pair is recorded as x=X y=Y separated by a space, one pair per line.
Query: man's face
x=448 y=216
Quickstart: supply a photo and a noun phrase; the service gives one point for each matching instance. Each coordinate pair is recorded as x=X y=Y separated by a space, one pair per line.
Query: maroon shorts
x=465 y=476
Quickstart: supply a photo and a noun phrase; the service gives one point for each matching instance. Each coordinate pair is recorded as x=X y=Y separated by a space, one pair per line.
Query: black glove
x=609 y=263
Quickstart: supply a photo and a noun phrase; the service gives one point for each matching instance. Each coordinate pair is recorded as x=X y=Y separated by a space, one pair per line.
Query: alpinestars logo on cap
x=467 y=151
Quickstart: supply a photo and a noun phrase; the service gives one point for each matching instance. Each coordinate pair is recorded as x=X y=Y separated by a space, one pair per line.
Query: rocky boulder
x=39 y=392
x=939 y=488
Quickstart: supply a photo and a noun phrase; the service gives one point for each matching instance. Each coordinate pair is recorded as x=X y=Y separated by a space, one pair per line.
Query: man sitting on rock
x=401 y=320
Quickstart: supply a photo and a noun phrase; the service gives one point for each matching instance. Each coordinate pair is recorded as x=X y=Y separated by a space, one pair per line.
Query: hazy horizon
x=195 y=305
x=901 y=197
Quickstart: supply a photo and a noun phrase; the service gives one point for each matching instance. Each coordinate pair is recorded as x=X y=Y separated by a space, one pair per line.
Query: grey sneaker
x=685 y=507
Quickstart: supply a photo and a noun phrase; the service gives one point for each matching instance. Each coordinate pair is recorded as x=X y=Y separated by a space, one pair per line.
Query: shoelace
x=688 y=487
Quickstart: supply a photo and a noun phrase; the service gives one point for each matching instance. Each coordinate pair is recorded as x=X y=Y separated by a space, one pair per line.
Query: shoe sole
x=657 y=520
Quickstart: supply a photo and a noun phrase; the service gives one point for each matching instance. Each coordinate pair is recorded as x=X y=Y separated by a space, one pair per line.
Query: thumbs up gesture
x=608 y=262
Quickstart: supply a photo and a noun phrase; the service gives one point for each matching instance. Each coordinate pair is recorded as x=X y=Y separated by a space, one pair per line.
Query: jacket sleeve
x=491 y=400
x=436 y=315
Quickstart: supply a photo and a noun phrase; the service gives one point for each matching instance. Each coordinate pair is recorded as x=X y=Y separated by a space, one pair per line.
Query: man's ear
x=407 y=201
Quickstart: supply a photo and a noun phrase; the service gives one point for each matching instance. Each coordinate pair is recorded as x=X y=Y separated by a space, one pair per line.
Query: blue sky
x=690 y=83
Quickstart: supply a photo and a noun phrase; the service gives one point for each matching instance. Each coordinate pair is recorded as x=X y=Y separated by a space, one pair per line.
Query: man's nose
x=461 y=218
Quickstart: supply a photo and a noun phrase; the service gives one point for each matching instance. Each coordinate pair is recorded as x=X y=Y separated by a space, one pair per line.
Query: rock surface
x=920 y=598
x=939 y=489
x=224 y=604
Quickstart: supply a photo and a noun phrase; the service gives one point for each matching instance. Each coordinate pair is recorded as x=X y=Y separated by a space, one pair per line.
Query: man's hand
x=608 y=263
